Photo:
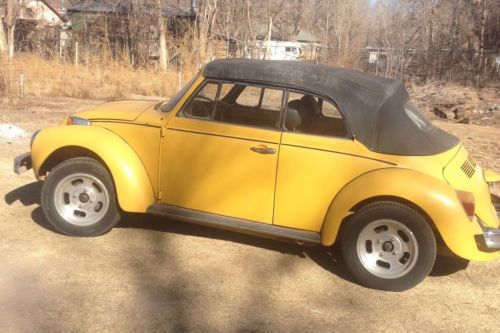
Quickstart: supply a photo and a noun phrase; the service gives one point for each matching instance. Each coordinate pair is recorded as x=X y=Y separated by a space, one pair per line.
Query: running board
x=231 y=223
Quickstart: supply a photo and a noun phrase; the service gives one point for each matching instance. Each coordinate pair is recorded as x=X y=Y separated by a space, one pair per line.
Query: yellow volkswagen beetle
x=280 y=149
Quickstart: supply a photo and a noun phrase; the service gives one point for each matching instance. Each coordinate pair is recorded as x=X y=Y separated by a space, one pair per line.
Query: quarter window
x=309 y=114
x=203 y=104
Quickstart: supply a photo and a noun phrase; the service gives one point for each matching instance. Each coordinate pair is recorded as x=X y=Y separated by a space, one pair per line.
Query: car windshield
x=169 y=106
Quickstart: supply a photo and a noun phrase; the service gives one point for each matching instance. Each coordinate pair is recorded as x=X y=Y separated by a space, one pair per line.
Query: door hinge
x=162 y=132
x=160 y=195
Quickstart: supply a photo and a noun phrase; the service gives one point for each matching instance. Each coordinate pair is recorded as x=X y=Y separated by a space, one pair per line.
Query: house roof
x=48 y=5
x=123 y=8
x=306 y=36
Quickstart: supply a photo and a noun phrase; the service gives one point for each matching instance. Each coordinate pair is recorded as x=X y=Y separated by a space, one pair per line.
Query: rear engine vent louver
x=469 y=167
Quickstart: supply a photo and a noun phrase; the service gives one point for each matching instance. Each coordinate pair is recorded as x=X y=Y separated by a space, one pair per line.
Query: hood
x=124 y=110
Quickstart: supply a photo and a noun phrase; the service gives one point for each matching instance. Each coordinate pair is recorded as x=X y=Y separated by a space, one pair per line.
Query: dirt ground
x=153 y=274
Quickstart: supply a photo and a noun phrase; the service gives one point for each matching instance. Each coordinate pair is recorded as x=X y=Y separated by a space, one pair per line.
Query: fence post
x=180 y=73
x=60 y=50
x=76 y=54
x=21 y=85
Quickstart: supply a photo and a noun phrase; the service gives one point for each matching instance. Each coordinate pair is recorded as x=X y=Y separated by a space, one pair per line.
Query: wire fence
x=461 y=65
x=102 y=63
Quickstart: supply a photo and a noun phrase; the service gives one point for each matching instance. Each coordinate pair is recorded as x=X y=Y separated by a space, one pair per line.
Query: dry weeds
x=96 y=79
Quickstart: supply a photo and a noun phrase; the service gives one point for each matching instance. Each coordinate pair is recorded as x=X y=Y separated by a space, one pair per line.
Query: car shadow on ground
x=327 y=258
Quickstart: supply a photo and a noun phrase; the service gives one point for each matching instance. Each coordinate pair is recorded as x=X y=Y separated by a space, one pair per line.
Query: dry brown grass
x=443 y=94
x=96 y=79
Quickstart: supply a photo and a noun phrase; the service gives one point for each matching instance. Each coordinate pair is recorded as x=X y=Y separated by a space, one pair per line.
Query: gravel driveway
x=153 y=274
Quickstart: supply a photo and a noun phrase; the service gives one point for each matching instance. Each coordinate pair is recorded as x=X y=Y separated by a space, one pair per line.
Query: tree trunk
x=430 y=49
x=253 y=42
x=3 y=37
x=11 y=39
x=268 y=39
x=11 y=19
x=481 y=64
x=163 y=45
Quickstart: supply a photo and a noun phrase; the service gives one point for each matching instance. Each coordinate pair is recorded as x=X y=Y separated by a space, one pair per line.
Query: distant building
x=38 y=27
x=40 y=13
x=301 y=47
x=122 y=27
x=280 y=50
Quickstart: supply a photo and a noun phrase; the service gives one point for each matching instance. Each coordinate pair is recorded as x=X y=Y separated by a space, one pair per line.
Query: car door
x=220 y=151
x=317 y=158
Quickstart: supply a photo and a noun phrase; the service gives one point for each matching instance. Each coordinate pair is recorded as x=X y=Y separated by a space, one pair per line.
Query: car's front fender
x=133 y=186
x=434 y=197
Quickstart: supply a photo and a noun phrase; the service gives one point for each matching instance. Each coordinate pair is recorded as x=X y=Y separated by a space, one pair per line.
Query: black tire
x=413 y=221
x=75 y=166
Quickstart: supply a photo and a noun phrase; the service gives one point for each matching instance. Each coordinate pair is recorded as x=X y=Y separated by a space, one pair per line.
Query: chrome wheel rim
x=387 y=248
x=81 y=199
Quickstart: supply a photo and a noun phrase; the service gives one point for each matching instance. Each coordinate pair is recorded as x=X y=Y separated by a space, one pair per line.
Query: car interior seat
x=293 y=118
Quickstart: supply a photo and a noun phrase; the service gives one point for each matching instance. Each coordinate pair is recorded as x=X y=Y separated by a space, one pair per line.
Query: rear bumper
x=492 y=238
x=22 y=163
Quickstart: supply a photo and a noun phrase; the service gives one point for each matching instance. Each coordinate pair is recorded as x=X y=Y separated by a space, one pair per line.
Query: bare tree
x=163 y=30
x=9 y=12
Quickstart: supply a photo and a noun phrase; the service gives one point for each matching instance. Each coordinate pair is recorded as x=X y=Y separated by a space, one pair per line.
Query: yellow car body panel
x=133 y=185
x=144 y=140
x=210 y=167
x=311 y=170
x=311 y=183
x=463 y=174
x=491 y=176
x=123 y=110
x=434 y=197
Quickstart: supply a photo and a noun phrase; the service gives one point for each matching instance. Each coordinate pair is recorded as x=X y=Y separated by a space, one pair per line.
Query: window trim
x=263 y=86
x=300 y=90
x=284 y=102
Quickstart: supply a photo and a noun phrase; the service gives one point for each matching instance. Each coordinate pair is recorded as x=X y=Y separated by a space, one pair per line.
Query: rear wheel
x=388 y=246
x=78 y=198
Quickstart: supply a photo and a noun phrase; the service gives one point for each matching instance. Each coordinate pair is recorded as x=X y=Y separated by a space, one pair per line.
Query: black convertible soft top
x=378 y=110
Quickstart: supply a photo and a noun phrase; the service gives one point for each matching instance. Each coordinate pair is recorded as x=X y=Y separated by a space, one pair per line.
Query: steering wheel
x=204 y=98
x=201 y=110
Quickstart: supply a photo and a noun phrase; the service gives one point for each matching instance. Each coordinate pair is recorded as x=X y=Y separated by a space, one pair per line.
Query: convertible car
x=288 y=150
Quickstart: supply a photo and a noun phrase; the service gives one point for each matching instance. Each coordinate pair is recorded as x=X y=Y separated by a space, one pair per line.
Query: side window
x=250 y=96
x=310 y=114
x=202 y=105
x=226 y=91
x=272 y=99
x=249 y=106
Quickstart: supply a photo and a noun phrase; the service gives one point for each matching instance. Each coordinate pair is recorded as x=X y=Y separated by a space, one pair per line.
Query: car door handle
x=263 y=149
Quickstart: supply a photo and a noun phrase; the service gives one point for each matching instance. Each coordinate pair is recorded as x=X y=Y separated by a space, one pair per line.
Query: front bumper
x=22 y=163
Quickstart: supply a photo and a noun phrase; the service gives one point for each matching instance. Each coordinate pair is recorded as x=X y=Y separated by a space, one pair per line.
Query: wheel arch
x=401 y=200
x=65 y=153
x=397 y=199
x=133 y=186
x=433 y=198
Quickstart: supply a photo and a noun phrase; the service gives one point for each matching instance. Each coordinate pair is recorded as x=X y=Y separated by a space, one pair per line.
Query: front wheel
x=388 y=246
x=78 y=198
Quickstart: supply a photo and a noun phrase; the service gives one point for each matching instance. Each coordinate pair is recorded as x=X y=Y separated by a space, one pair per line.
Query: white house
x=41 y=12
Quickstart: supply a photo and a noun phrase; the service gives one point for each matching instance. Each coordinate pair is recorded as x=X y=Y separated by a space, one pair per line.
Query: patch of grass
x=97 y=79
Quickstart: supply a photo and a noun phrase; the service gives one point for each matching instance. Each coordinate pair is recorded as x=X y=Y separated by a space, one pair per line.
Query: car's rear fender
x=434 y=198
x=133 y=186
